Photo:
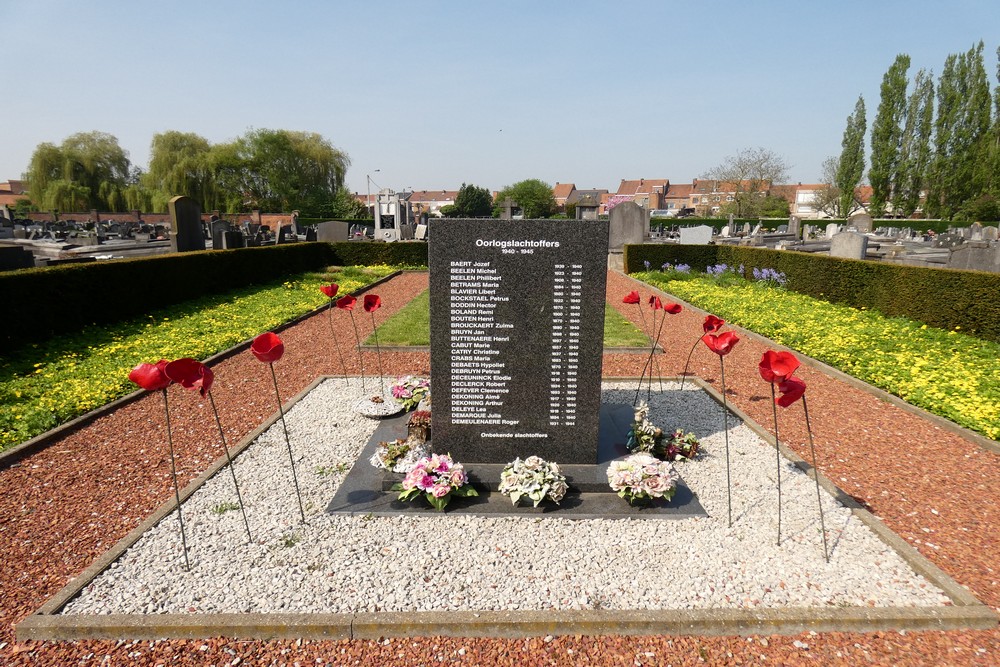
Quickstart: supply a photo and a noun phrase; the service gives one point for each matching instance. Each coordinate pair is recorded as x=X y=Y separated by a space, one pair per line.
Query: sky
x=428 y=95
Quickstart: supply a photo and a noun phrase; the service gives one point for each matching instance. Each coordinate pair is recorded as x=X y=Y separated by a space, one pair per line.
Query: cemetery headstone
x=746 y=229
x=517 y=321
x=976 y=231
x=218 y=231
x=15 y=257
x=507 y=207
x=185 y=219
x=861 y=222
x=627 y=226
x=725 y=232
x=782 y=229
x=756 y=230
x=332 y=231
x=794 y=225
x=311 y=234
x=700 y=235
x=850 y=245
x=990 y=233
x=832 y=229
x=420 y=233
x=233 y=239
x=975 y=256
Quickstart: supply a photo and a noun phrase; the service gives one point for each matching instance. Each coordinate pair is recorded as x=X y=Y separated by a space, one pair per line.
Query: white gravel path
x=461 y=562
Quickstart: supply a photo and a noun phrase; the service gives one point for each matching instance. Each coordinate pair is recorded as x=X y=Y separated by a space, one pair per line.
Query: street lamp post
x=368 y=178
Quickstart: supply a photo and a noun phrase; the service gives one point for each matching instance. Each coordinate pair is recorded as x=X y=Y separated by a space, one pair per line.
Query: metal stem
x=725 y=431
x=177 y=490
x=288 y=442
x=361 y=358
x=336 y=343
x=378 y=351
x=688 y=363
x=819 y=498
x=229 y=459
x=777 y=452
x=643 y=375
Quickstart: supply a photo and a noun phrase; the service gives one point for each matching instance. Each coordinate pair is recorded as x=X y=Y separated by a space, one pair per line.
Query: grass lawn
x=412 y=326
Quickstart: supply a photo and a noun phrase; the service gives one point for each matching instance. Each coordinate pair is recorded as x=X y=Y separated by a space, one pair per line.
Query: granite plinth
x=366 y=489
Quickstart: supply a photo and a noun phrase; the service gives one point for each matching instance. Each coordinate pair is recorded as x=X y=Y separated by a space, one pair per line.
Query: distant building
x=431 y=201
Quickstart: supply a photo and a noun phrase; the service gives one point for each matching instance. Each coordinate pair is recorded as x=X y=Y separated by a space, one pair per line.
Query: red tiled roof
x=642 y=186
x=679 y=191
x=9 y=199
x=420 y=196
x=12 y=187
x=563 y=190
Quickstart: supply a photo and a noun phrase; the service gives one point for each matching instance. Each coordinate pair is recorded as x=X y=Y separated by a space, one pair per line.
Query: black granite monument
x=517 y=326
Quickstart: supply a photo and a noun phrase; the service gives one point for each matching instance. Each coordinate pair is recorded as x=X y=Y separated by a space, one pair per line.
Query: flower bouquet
x=681 y=446
x=641 y=477
x=535 y=478
x=399 y=455
x=409 y=390
x=436 y=478
x=644 y=436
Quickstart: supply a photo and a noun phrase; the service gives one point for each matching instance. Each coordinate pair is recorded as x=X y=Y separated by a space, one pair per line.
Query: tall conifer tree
x=852 y=158
x=887 y=134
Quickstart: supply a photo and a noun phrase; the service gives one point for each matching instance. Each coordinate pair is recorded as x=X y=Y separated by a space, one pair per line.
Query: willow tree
x=851 y=166
x=179 y=165
x=887 y=135
x=88 y=162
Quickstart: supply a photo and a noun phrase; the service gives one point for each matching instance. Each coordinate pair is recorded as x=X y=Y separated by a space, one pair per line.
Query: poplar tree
x=851 y=166
x=915 y=147
x=887 y=134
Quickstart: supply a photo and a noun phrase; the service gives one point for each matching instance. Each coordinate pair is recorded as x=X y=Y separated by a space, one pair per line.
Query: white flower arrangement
x=644 y=436
x=399 y=455
x=641 y=477
x=535 y=478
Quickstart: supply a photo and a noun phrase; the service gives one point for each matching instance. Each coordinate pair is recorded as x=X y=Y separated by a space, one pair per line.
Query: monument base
x=367 y=489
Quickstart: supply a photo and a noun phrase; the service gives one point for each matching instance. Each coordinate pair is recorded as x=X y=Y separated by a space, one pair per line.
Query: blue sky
x=434 y=94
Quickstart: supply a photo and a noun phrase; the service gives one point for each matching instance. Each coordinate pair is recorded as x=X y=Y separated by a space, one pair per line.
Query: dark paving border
x=965 y=612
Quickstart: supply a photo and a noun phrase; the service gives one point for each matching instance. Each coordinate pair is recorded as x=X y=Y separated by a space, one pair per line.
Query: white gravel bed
x=462 y=562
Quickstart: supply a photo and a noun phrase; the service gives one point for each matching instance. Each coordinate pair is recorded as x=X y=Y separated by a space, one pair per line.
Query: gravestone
x=861 y=222
x=15 y=257
x=782 y=229
x=976 y=231
x=975 y=256
x=185 y=220
x=725 y=232
x=218 y=231
x=507 y=207
x=832 y=230
x=517 y=322
x=627 y=226
x=746 y=229
x=233 y=239
x=794 y=226
x=850 y=245
x=311 y=234
x=420 y=234
x=990 y=233
x=756 y=230
x=700 y=235
x=286 y=234
x=330 y=232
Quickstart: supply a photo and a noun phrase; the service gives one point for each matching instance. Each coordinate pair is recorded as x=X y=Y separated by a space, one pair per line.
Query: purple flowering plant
x=437 y=478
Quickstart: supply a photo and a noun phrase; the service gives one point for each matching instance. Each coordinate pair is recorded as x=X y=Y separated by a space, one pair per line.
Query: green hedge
x=367 y=253
x=943 y=298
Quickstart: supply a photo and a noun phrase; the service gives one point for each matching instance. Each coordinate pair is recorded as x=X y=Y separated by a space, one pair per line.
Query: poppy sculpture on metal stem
x=372 y=302
x=634 y=298
x=331 y=291
x=791 y=390
x=776 y=367
x=722 y=344
x=655 y=303
x=152 y=377
x=347 y=302
x=192 y=374
x=712 y=324
x=268 y=348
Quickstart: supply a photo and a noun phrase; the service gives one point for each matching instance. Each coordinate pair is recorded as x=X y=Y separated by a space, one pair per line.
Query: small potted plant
x=399 y=455
x=437 y=478
x=419 y=425
x=681 y=446
x=641 y=477
x=409 y=390
x=534 y=478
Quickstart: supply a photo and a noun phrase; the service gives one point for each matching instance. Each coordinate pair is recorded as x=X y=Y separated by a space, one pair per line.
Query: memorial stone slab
x=990 y=233
x=185 y=219
x=233 y=239
x=832 y=230
x=850 y=245
x=861 y=222
x=975 y=256
x=976 y=231
x=628 y=223
x=517 y=322
x=218 y=230
x=700 y=235
x=794 y=226
x=332 y=231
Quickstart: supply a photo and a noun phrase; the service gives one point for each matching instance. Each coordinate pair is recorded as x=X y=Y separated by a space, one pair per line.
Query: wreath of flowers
x=437 y=478
x=642 y=476
x=535 y=478
x=399 y=455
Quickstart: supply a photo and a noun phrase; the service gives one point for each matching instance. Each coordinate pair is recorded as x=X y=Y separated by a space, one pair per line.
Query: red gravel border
x=62 y=507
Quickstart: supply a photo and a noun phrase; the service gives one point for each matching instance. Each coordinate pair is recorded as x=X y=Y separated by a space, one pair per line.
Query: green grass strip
x=944 y=372
x=47 y=384
x=412 y=326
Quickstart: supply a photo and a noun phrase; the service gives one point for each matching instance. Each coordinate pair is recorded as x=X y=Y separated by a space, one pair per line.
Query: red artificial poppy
x=150 y=377
x=330 y=290
x=631 y=297
x=776 y=366
x=655 y=303
x=722 y=344
x=792 y=389
x=673 y=308
x=712 y=323
x=191 y=374
x=372 y=303
x=267 y=347
x=346 y=302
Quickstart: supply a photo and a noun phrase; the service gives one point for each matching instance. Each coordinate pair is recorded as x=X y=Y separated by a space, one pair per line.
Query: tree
x=533 y=196
x=748 y=175
x=961 y=131
x=915 y=144
x=851 y=165
x=88 y=170
x=473 y=202
x=827 y=198
x=179 y=165
x=278 y=170
x=887 y=134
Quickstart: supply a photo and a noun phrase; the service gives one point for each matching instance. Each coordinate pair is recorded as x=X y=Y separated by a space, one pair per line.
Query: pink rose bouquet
x=436 y=478
x=643 y=477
